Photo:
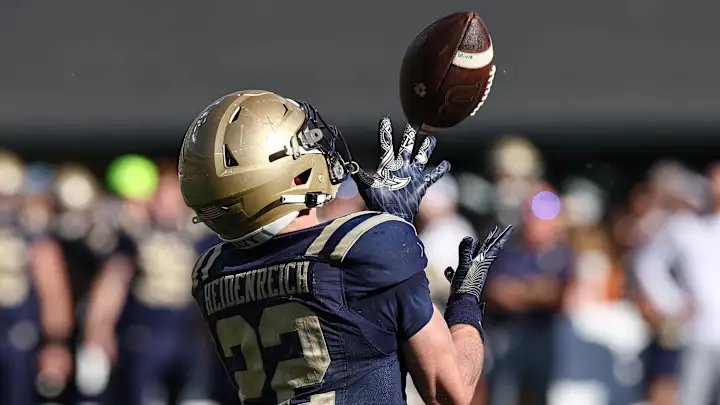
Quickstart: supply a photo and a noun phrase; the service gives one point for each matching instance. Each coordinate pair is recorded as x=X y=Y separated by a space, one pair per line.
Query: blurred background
x=599 y=141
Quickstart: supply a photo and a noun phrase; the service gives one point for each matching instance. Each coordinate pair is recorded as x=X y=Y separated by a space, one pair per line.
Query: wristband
x=465 y=309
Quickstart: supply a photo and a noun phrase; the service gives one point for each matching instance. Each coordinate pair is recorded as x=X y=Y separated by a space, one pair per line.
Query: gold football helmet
x=252 y=160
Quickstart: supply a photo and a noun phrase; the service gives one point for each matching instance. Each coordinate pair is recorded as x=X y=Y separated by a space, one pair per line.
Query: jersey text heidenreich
x=256 y=285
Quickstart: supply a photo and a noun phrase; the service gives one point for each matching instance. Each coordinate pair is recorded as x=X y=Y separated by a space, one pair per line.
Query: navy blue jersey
x=158 y=340
x=317 y=316
x=161 y=256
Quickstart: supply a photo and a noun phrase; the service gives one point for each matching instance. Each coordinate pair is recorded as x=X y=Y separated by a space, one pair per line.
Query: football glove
x=474 y=263
x=399 y=184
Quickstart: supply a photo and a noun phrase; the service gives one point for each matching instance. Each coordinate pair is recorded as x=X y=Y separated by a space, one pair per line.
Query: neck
x=306 y=219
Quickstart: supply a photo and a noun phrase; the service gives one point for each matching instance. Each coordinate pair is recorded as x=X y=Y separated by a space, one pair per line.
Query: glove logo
x=399 y=183
x=389 y=162
x=395 y=183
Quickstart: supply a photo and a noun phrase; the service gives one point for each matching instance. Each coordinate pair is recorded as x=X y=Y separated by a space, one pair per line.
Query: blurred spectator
x=516 y=167
x=688 y=244
x=598 y=275
x=35 y=304
x=598 y=325
x=649 y=206
x=524 y=293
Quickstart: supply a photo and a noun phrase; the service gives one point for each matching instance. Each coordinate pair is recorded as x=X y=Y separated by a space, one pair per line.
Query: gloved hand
x=399 y=185
x=474 y=263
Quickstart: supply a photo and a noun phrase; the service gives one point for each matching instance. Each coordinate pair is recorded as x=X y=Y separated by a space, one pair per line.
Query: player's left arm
x=450 y=376
x=445 y=363
x=388 y=256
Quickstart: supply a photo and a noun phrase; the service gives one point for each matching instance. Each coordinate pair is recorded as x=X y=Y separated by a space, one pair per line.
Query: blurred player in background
x=35 y=305
x=142 y=294
x=322 y=313
x=85 y=226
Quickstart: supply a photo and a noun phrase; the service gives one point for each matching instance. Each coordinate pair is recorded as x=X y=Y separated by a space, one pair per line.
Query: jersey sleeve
x=381 y=251
x=414 y=305
x=202 y=269
x=383 y=262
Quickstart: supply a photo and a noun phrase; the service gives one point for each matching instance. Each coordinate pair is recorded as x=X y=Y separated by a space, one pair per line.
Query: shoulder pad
x=204 y=264
x=379 y=234
x=341 y=235
x=374 y=249
x=332 y=233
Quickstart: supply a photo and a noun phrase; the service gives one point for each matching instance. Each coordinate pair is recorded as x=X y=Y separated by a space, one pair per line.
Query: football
x=447 y=72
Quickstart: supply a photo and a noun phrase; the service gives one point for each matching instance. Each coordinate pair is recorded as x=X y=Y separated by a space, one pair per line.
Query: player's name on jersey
x=256 y=285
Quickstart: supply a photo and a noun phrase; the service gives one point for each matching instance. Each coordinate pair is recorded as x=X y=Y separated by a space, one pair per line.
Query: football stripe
x=318 y=244
x=469 y=60
x=347 y=242
x=205 y=270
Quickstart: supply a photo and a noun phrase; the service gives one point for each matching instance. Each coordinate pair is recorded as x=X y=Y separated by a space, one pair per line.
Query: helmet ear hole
x=229 y=158
x=302 y=178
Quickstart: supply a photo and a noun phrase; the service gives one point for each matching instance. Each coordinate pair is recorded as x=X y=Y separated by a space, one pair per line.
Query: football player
x=310 y=313
x=142 y=293
x=35 y=303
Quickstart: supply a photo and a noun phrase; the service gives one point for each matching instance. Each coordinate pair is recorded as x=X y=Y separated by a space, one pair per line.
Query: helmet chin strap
x=264 y=234
x=311 y=200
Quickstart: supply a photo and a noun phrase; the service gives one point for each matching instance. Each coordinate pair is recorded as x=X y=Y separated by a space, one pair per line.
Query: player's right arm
x=107 y=298
x=445 y=357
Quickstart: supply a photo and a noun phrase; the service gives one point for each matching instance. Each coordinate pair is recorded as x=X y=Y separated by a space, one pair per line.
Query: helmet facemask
x=317 y=137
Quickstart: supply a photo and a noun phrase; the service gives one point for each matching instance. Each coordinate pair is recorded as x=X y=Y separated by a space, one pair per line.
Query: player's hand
x=399 y=184
x=104 y=339
x=474 y=263
x=54 y=367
